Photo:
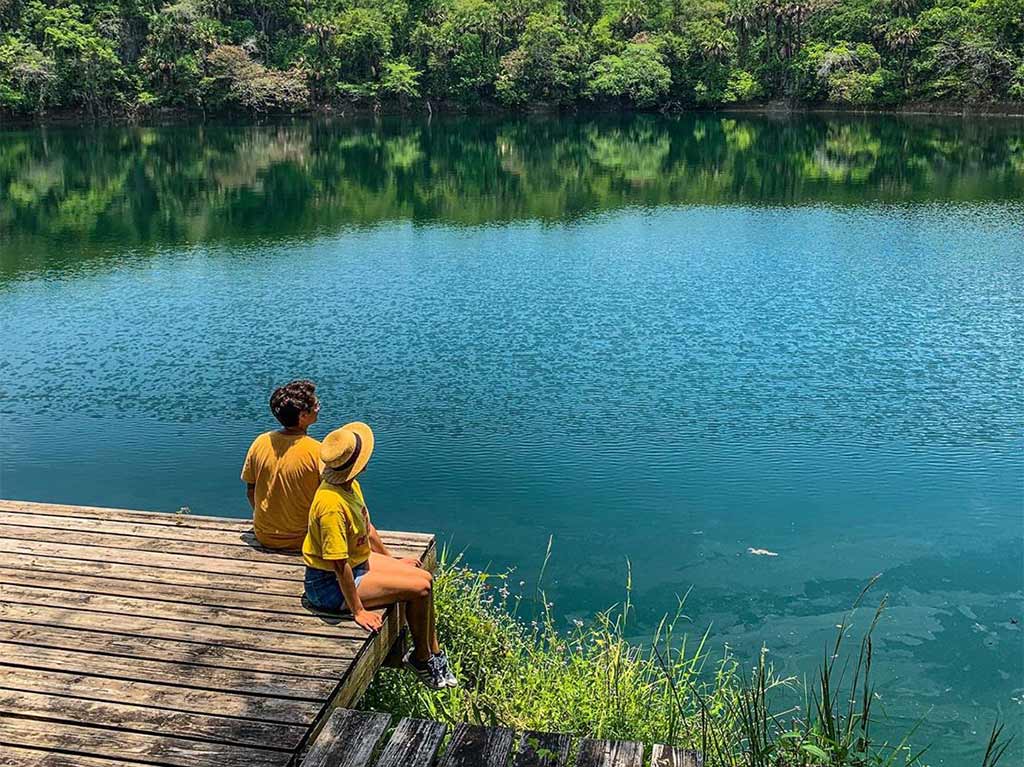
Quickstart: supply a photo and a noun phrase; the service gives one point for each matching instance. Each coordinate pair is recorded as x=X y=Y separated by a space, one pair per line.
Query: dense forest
x=126 y=56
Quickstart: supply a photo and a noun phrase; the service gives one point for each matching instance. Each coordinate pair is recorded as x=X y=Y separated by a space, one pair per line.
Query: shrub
x=238 y=81
x=400 y=81
x=742 y=86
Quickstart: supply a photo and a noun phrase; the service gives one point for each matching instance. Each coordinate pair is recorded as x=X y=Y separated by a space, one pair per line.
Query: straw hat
x=347 y=450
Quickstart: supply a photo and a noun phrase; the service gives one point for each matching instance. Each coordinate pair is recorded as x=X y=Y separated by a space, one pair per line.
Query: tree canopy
x=103 y=56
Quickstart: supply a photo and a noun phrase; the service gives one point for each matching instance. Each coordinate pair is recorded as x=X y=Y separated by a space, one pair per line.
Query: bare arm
x=377 y=545
x=347 y=581
x=250 y=493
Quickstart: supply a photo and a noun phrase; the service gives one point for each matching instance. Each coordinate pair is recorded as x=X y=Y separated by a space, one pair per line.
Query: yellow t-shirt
x=338 y=527
x=285 y=468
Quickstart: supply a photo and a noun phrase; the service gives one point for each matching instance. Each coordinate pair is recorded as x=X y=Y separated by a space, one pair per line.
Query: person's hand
x=368 y=620
x=411 y=561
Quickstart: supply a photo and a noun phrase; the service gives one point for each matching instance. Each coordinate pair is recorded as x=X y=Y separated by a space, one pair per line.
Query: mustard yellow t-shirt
x=338 y=527
x=285 y=468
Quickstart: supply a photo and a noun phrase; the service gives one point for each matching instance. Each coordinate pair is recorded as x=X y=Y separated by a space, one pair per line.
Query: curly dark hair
x=288 y=401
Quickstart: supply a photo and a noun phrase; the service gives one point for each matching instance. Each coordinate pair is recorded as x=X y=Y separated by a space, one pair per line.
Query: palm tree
x=901 y=7
x=742 y=17
x=900 y=36
x=633 y=18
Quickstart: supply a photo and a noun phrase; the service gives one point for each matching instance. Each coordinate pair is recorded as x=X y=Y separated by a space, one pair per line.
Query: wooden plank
x=347 y=739
x=162 y=518
x=153 y=559
x=542 y=749
x=609 y=753
x=241 y=536
x=173 y=752
x=330 y=666
x=473 y=745
x=369 y=658
x=360 y=673
x=146 y=517
x=161 y=672
x=347 y=640
x=115 y=543
x=413 y=744
x=406 y=537
x=128 y=527
x=669 y=756
x=210 y=569
x=245 y=600
x=278 y=627
x=136 y=718
x=52 y=563
x=14 y=756
x=83 y=685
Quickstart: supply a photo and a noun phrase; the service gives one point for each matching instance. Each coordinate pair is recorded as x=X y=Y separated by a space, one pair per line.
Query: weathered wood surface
x=133 y=638
x=667 y=756
x=542 y=749
x=145 y=718
x=609 y=753
x=414 y=743
x=352 y=737
x=14 y=756
x=477 y=746
x=347 y=739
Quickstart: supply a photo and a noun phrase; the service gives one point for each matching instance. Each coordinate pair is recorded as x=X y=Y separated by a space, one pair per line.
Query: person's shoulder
x=262 y=441
x=310 y=445
x=327 y=499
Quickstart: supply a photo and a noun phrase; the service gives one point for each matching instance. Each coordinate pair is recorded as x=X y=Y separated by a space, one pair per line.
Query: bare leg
x=381 y=563
x=417 y=613
x=383 y=586
x=432 y=625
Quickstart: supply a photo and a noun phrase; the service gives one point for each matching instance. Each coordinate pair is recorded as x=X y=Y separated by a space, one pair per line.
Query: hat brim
x=365 y=434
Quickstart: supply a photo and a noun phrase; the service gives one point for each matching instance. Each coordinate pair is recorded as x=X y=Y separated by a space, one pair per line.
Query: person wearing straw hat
x=348 y=567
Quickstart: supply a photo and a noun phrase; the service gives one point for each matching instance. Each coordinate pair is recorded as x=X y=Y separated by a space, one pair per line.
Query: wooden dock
x=133 y=638
x=357 y=739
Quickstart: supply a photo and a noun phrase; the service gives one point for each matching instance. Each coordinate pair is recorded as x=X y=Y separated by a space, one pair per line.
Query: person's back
x=282 y=469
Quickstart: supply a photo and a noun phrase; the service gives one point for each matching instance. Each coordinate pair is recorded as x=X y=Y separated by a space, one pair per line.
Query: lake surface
x=658 y=340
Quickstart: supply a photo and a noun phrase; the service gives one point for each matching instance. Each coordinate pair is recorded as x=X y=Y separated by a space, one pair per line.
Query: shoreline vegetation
x=99 y=58
x=172 y=116
x=591 y=680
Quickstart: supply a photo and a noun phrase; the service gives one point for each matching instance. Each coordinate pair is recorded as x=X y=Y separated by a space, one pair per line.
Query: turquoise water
x=661 y=341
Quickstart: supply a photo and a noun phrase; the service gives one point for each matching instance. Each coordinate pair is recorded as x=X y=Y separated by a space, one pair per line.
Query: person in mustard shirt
x=348 y=567
x=282 y=469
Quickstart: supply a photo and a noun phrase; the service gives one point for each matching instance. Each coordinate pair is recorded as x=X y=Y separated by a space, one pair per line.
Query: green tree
x=28 y=77
x=236 y=81
x=400 y=81
x=180 y=37
x=86 y=66
x=638 y=76
x=547 y=65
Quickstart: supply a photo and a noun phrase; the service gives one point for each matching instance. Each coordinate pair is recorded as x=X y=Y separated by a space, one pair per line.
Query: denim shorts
x=323 y=590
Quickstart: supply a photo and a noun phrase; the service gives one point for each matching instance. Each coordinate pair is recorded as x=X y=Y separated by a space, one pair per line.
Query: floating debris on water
x=762 y=552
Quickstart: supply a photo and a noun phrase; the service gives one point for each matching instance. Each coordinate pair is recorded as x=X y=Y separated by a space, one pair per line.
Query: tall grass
x=519 y=670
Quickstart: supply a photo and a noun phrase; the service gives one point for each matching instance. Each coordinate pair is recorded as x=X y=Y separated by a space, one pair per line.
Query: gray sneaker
x=426 y=671
x=447 y=675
